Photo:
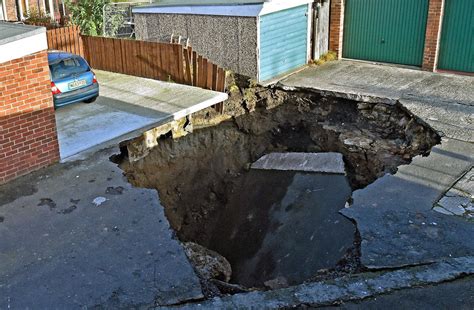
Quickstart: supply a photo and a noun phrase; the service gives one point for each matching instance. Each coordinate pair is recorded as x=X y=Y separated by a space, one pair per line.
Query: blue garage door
x=283 y=41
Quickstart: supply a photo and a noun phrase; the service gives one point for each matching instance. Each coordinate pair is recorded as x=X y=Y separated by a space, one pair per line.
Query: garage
x=260 y=39
x=457 y=45
x=391 y=31
x=283 y=41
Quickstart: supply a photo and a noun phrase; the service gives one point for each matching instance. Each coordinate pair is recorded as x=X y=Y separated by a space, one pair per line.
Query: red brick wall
x=433 y=34
x=336 y=26
x=28 y=139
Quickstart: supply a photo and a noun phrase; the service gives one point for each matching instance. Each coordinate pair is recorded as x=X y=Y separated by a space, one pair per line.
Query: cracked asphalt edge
x=349 y=288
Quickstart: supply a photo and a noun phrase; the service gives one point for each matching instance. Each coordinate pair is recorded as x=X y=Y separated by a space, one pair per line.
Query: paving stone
x=454 y=204
x=466 y=183
x=442 y=210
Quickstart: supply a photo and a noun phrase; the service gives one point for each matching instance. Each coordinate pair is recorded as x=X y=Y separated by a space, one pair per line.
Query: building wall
x=433 y=34
x=230 y=42
x=11 y=10
x=28 y=139
x=321 y=35
x=33 y=5
x=336 y=26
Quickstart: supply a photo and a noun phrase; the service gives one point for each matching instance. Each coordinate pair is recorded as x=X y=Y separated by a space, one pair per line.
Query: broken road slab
x=61 y=250
x=394 y=214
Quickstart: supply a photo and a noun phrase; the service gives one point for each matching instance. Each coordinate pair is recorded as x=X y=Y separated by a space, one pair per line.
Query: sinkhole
x=265 y=228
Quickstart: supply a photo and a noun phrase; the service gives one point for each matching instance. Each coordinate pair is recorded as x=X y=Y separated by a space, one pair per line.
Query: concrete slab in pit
x=309 y=162
x=127 y=106
x=59 y=250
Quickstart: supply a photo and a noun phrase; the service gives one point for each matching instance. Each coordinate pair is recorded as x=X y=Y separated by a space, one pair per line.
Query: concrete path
x=127 y=106
x=395 y=215
x=77 y=235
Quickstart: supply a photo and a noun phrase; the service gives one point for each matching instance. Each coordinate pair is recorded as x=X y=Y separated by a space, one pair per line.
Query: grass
x=329 y=56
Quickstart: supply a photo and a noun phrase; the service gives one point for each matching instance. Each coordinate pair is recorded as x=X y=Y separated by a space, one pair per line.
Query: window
x=67 y=67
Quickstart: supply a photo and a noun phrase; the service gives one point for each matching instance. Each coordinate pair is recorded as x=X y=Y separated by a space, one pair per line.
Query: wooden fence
x=66 y=39
x=161 y=61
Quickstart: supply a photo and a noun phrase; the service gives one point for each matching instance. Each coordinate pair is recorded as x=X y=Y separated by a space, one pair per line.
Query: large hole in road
x=276 y=228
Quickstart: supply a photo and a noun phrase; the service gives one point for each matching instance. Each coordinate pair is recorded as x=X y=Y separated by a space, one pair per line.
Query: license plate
x=77 y=84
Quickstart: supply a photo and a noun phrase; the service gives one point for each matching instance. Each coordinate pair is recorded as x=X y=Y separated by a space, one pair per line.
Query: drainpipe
x=314 y=29
x=19 y=10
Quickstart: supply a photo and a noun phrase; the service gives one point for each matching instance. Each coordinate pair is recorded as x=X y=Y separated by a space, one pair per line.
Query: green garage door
x=283 y=41
x=457 y=36
x=390 y=31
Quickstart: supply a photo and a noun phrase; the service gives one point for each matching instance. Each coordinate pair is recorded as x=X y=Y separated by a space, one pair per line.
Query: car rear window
x=68 y=67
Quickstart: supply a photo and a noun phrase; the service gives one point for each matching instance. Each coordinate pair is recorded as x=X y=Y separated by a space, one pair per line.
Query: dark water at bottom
x=283 y=225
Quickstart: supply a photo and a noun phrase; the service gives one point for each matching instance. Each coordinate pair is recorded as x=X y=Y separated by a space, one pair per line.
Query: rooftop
x=10 y=32
x=245 y=8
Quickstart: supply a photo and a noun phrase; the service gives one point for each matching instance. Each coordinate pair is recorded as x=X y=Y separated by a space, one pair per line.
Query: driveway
x=127 y=106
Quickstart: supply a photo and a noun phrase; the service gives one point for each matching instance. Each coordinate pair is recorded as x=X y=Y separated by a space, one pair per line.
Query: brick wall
x=433 y=34
x=11 y=10
x=28 y=139
x=336 y=26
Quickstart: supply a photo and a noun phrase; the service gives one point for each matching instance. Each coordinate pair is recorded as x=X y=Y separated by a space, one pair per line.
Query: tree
x=88 y=15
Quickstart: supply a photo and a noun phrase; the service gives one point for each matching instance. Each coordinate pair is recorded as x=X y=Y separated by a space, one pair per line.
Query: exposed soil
x=197 y=175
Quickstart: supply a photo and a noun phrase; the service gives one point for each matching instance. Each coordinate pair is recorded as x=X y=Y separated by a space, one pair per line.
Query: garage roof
x=245 y=8
x=17 y=40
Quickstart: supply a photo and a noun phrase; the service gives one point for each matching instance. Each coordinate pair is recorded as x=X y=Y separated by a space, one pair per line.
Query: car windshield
x=67 y=67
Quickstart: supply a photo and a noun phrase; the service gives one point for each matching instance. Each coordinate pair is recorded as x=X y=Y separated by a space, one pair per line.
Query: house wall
x=33 y=5
x=230 y=42
x=28 y=139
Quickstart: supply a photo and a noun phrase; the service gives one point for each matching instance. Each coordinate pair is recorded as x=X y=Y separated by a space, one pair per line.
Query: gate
x=457 y=37
x=391 y=31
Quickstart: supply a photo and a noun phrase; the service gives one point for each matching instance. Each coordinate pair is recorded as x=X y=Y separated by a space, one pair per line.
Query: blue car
x=72 y=80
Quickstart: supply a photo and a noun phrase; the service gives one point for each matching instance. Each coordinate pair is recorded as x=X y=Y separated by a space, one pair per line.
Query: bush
x=39 y=18
x=88 y=15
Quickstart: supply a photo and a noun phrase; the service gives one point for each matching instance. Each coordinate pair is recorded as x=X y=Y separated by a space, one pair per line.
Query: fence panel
x=65 y=39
